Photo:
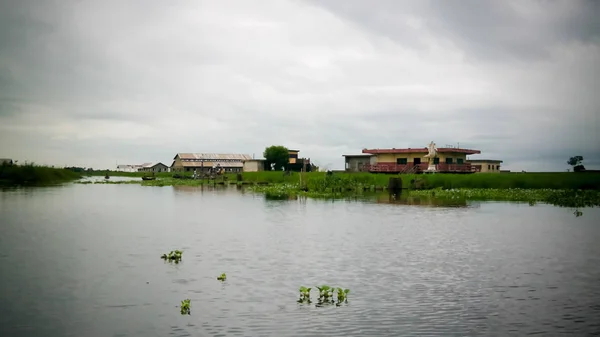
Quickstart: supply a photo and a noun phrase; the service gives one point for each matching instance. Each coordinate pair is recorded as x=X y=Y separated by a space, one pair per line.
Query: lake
x=84 y=260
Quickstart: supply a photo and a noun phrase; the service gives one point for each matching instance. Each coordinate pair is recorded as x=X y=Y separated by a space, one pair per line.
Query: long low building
x=485 y=165
x=410 y=160
x=203 y=162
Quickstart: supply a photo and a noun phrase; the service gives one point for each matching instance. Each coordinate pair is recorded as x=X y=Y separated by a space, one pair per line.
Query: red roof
x=422 y=150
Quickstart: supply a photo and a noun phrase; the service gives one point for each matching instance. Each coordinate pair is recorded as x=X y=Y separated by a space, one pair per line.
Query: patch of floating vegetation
x=186 y=307
x=562 y=198
x=327 y=295
x=173 y=256
x=222 y=277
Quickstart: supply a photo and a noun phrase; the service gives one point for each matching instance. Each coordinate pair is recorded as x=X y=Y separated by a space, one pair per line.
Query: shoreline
x=320 y=189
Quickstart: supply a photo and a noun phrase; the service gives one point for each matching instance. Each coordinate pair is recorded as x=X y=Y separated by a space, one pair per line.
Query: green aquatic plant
x=325 y=292
x=342 y=295
x=173 y=256
x=222 y=277
x=304 y=295
x=186 y=307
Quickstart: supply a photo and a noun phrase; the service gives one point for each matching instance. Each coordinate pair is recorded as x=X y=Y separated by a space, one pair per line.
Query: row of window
x=417 y=161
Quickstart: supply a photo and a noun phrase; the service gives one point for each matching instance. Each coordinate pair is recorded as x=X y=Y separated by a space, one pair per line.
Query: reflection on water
x=84 y=260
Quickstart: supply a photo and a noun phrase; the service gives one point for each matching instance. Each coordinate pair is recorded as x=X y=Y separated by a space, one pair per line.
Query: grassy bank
x=564 y=189
x=15 y=175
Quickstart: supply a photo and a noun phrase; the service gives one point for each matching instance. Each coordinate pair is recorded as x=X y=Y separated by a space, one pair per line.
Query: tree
x=576 y=163
x=277 y=155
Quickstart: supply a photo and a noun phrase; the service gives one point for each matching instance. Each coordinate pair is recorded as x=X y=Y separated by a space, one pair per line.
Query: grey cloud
x=488 y=30
x=90 y=83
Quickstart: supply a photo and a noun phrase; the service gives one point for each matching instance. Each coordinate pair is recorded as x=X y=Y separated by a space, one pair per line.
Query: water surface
x=83 y=260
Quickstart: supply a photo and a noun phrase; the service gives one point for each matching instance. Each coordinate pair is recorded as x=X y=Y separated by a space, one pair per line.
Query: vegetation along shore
x=35 y=175
x=566 y=189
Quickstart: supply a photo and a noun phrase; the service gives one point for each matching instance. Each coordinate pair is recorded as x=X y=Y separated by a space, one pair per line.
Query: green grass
x=35 y=175
x=558 y=180
x=564 y=198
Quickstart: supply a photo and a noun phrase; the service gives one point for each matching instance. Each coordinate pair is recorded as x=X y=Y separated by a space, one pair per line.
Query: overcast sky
x=93 y=83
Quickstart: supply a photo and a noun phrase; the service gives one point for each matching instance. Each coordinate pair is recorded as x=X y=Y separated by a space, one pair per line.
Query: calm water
x=83 y=260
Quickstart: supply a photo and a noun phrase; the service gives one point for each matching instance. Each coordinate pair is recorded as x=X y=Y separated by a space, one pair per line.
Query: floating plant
x=185 y=307
x=304 y=295
x=222 y=277
x=174 y=256
x=326 y=295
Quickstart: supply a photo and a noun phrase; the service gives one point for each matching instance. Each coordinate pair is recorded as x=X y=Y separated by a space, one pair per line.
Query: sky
x=100 y=83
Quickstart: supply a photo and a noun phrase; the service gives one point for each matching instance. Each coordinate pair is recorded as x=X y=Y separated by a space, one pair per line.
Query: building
x=130 y=167
x=203 y=162
x=254 y=165
x=293 y=156
x=485 y=165
x=410 y=160
x=358 y=162
x=158 y=167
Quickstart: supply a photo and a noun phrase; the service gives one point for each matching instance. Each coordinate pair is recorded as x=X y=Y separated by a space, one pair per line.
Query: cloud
x=91 y=84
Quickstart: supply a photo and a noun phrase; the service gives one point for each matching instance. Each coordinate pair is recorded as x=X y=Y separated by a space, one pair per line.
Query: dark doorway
x=417 y=161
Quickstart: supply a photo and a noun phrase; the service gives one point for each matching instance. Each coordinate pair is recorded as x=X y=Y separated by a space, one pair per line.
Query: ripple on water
x=411 y=270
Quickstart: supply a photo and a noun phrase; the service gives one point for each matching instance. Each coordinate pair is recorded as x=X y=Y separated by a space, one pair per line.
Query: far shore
x=562 y=189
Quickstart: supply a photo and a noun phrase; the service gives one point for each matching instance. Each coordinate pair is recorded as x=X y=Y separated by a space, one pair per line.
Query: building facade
x=203 y=162
x=411 y=160
x=485 y=165
x=358 y=162
x=158 y=167
x=131 y=167
x=254 y=165
x=293 y=156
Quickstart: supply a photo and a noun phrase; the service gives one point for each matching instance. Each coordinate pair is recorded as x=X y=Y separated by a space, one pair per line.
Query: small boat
x=148 y=178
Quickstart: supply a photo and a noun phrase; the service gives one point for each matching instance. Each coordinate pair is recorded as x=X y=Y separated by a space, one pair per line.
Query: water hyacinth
x=174 y=256
x=327 y=295
x=186 y=307
x=565 y=198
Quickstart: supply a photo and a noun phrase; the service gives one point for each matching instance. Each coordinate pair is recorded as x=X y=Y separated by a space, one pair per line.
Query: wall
x=354 y=164
x=293 y=155
x=253 y=165
x=177 y=165
x=392 y=157
x=488 y=167
x=156 y=168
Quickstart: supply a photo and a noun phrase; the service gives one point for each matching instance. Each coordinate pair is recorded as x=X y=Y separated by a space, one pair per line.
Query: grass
x=35 y=175
x=563 y=198
x=558 y=180
x=563 y=189
x=318 y=181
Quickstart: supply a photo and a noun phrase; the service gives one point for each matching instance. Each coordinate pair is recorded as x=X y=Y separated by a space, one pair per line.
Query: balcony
x=412 y=168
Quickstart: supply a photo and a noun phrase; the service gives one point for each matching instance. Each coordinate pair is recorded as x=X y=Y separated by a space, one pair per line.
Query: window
x=448 y=160
x=401 y=161
x=459 y=161
x=497 y=167
x=417 y=161
x=436 y=160
x=489 y=167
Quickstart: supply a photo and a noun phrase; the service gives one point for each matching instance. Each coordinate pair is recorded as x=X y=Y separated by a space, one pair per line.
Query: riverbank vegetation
x=35 y=175
x=565 y=189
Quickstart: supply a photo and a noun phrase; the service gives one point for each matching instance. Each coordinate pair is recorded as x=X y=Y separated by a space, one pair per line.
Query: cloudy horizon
x=96 y=83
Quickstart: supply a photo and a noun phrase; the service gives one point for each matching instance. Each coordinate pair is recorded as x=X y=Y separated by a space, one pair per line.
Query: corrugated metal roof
x=422 y=150
x=213 y=156
x=210 y=164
